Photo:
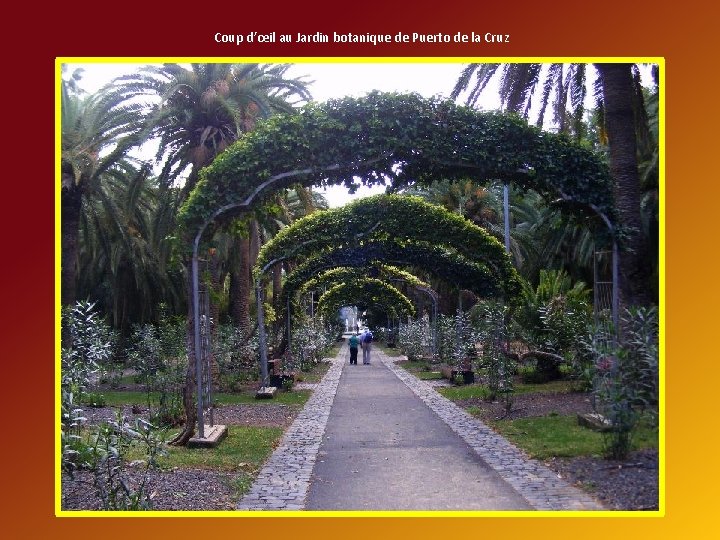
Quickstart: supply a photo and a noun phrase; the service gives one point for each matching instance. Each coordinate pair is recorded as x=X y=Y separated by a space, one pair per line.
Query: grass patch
x=561 y=436
x=245 y=448
x=243 y=453
x=389 y=351
x=467 y=391
x=415 y=366
x=314 y=375
x=429 y=375
x=334 y=350
x=551 y=387
x=127 y=397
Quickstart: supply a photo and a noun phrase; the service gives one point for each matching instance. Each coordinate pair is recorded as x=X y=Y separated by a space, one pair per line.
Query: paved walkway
x=377 y=438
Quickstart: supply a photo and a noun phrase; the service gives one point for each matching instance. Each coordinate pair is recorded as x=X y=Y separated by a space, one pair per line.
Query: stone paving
x=539 y=485
x=283 y=482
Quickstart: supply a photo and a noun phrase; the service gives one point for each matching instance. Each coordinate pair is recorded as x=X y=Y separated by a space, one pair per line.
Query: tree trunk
x=71 y=207
x=240 y=285
x=188 y=431
x=635 y=271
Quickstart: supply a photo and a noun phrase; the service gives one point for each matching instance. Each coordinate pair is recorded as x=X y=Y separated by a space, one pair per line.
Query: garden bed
x=631 y=484
x=207 y=487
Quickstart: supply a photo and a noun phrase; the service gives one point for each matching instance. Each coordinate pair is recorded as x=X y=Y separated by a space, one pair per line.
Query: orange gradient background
x=684 y=36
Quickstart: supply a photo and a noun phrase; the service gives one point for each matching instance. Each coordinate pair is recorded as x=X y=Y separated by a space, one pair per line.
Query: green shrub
x=94 y=399
x=86 y=344
x=111 y=445
x=552 y=318
x=413 y=338
x=626 y=376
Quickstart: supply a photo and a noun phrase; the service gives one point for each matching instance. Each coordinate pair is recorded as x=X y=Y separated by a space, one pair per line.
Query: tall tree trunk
x=241 y=285
x=71 y=207
x=255 y=242
x=635 y=271
x=188 y=396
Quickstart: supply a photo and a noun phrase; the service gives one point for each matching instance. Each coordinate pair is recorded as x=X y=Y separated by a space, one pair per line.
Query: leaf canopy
x=398 y=139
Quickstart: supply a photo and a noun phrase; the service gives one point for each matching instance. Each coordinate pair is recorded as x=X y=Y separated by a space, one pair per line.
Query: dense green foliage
x=396 y=137
x=366 y=293
x=400 y=230
x=403 y=219
x=342 y=274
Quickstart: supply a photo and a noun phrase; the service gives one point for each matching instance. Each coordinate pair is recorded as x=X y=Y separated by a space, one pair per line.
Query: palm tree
x=203 y=109
x=618 y=91
x=521 y=83
x=621 y=112
x=97 y=132
x=126 y=251
x=199 y=111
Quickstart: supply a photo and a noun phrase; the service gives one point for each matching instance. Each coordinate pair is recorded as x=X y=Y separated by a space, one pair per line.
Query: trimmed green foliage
x=399 y=230
x=352 y=140
x=365 y=293
x=335 y=276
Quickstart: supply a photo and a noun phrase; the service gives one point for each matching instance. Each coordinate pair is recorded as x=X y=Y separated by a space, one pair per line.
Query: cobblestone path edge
x=284 y=480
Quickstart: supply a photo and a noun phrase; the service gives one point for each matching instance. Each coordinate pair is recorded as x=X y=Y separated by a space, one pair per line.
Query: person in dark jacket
x=353 y=342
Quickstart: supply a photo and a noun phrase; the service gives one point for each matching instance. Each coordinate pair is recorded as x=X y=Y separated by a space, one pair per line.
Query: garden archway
x=398 y=139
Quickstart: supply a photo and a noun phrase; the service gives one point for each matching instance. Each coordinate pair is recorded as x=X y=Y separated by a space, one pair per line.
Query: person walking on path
x=367 y=338
x=353 y=342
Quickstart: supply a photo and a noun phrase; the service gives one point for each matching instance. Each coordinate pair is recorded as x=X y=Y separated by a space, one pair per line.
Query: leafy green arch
x=400 y=218
x=365 y=293
x=383 y=272
x=400 y=138
x=439 y=261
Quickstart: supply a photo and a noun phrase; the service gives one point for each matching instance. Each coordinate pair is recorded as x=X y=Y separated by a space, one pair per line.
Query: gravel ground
x=620 y=485
x=180 y=489
x=631 y=484
x=266 y=415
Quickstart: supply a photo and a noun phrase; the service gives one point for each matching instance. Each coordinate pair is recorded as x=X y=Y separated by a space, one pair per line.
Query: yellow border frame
x=660 y=61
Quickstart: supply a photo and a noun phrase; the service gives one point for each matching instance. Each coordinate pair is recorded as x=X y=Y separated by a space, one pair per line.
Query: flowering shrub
x=110 y=446
x=237 y=357
x=87 y=343
x=414 y=338
x=625 y=377
x=158 y=355
x=311 y=338
x=493 y=335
